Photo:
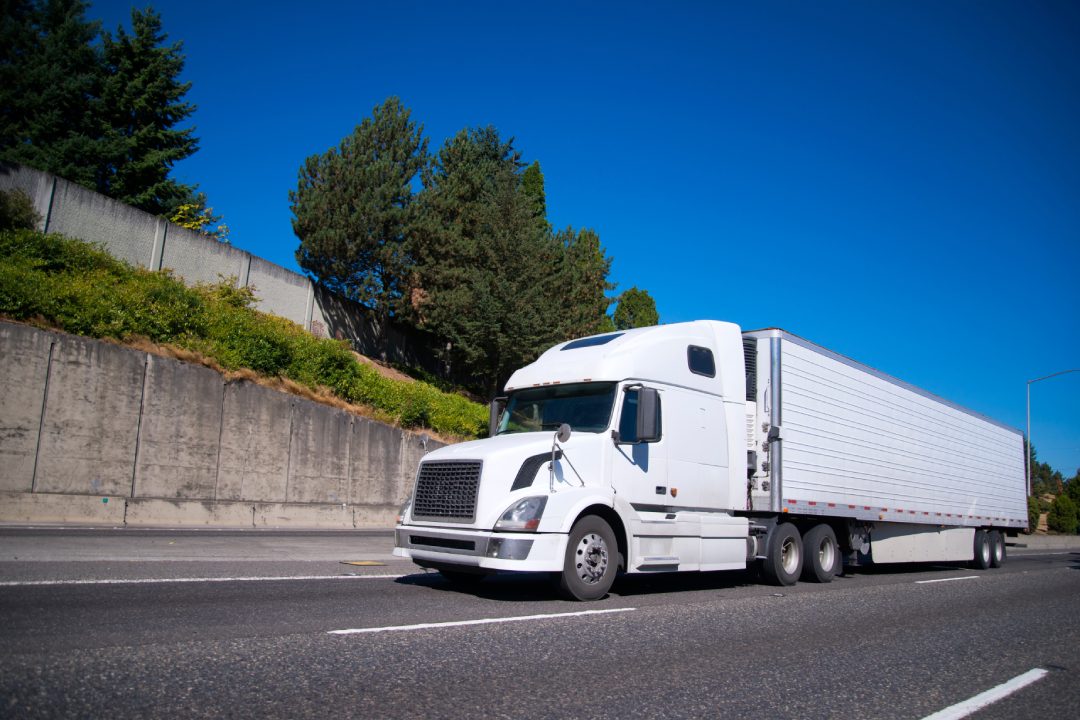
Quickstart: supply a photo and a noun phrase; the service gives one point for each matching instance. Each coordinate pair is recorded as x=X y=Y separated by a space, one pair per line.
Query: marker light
x=404 y=511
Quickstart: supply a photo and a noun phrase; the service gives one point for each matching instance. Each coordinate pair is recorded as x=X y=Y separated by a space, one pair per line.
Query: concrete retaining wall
x=91 y=432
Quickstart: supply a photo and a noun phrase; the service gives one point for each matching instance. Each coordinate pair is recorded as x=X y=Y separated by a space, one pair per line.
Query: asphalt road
x=880 y=643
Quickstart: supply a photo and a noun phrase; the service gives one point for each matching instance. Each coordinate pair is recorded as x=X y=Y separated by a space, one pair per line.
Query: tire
x=591 y=562
x=997 y=549
x=784 y=556
x=982 y=551
x=821 y=555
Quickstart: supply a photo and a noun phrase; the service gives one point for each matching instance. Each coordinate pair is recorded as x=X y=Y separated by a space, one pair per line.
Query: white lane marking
x=151 y=581
x=966 y=577
x=991 y=696
x=483 y=621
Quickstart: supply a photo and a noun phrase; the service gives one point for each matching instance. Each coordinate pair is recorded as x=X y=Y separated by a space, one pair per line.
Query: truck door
x=639 y=469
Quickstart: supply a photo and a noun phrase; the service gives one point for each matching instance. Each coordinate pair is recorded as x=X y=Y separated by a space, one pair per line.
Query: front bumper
x=523 y=552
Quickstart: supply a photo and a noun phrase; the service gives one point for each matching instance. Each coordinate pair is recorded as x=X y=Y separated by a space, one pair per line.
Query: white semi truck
x=697 y=447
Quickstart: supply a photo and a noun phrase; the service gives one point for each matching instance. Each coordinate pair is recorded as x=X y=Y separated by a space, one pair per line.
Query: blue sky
x=899 y=182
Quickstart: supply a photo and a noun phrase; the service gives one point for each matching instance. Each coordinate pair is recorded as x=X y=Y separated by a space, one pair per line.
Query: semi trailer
x=699 y=447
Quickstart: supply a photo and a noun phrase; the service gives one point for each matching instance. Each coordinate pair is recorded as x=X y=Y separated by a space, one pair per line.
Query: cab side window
x=701 y=361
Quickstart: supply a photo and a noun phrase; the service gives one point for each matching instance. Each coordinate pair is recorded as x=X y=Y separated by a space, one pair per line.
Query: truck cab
x=618 y=451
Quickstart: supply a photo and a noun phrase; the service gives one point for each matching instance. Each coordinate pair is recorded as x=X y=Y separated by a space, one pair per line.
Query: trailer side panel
x=858 y=443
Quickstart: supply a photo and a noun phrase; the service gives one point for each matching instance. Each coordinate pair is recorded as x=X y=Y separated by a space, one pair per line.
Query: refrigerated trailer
x=698 y=447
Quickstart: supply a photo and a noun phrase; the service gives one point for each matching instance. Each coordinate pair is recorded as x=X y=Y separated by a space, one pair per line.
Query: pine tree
x=636 y=309
x=532 y=184
x=141 y=103
x=50 y=81
x=353 y=207
x=485 y=270
x=100 y=116
x=583 y=284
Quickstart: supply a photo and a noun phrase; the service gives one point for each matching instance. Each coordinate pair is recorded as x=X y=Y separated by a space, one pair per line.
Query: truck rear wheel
x=982 y=550
x=821 y=554
x=592 y=559
x=784 y=556
x=997 y=549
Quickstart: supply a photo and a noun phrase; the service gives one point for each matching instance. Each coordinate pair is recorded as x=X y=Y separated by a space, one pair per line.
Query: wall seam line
x=348 y=468
x=220 y=434
x=49 y=211
x=164 y=239
x=41 y=420
x=138 y=426
x=288 y=460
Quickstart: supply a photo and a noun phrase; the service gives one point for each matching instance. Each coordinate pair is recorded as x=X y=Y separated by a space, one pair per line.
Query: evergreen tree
x=583 y=284
x=50 y=82
x=353 y=207
x=141 y=103
x=532 y=184
x=484 y=267
x=1072 y=488
x=636 y=309
x=100 y=116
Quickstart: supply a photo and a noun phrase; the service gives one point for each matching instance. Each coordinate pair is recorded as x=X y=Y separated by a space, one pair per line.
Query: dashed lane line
x=991 y=696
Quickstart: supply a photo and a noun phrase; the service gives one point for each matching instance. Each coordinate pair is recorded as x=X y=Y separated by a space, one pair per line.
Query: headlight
x=404 y=511
x=524 y=515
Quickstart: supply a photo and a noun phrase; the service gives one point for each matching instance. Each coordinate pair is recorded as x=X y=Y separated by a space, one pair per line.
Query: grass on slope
x=81 y=289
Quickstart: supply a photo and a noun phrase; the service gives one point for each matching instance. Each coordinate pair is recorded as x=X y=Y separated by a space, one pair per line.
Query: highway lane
x=878 y=643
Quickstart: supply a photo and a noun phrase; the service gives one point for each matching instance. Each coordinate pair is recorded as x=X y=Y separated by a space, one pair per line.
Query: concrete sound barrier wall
x=92 y=432
x=152 y=242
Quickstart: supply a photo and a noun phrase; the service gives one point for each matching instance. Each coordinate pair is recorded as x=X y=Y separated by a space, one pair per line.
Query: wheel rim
x=985 y=549
x=789 y=555
x=592 y=558
x=999 y=550
x=826 y=555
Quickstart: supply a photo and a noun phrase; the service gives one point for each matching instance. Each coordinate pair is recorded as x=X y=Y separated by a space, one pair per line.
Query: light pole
x=1029 y=382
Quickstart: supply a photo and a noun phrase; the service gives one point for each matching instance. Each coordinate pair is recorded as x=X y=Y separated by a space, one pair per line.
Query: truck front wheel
x=592 y=559
x=784 y=557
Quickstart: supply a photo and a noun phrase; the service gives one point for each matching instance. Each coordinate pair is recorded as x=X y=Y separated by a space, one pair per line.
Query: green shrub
x=84 y=290
x=1033 y=513
x=17 y=211
x=1062 y=517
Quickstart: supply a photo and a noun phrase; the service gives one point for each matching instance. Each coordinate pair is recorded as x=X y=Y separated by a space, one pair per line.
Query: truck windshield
x=586 y=407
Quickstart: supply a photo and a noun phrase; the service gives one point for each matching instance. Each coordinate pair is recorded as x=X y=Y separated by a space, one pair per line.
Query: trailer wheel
x=821 y=554
x=784 y=557
x=997 y=549
x=982 y=551
x=592 y=559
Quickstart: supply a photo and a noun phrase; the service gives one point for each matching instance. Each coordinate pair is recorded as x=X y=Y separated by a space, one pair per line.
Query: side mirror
x=563 y=433
x=648 y=415
x=494 y=411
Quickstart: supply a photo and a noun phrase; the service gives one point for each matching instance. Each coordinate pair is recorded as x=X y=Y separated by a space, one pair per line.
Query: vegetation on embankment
x=81 y=289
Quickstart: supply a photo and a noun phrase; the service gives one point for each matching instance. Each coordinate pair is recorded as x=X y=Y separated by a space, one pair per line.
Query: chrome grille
x=447 y=490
